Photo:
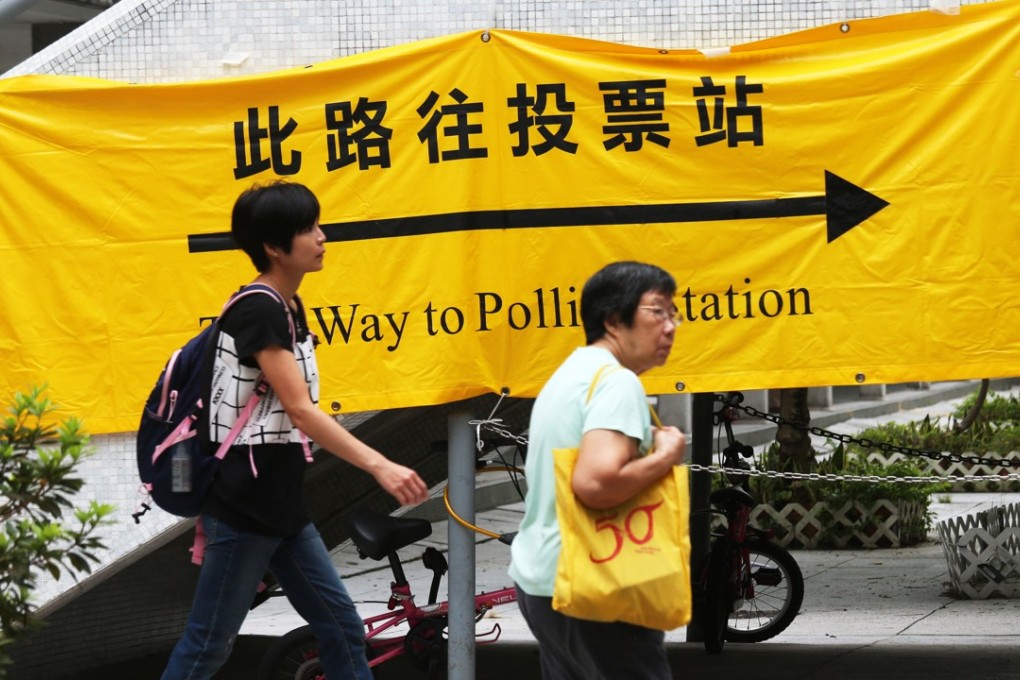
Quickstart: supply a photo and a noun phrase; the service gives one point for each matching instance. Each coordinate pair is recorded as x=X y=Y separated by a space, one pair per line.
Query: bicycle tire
x=295 y=656
x=718 y=596
x=778 y=594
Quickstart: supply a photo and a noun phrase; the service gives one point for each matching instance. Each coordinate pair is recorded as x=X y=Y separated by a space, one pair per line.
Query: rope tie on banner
x=494 y=425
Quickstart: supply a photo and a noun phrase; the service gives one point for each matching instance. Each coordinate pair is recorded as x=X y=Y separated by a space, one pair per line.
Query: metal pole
x=701 y=486
x=461 y=582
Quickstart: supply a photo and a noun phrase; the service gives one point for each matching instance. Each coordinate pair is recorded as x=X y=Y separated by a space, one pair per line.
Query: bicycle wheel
x=718 y=602
x=778 y=591
x=295 y=656
x=425 y=645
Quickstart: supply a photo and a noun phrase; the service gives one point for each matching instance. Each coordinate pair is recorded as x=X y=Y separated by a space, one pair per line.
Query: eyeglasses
x=664 y=315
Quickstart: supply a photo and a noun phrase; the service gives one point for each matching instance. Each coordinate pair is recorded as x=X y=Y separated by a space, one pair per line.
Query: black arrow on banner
x=845 y=205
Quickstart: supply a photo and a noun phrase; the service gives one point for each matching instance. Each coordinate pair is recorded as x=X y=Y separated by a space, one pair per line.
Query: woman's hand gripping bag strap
x=630 y=563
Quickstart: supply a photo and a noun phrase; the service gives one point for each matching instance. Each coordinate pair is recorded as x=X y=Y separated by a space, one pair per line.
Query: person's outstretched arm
x=283 y=374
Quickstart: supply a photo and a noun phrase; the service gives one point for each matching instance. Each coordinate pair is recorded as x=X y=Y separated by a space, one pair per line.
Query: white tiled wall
x=111 y=476
x=180 y=40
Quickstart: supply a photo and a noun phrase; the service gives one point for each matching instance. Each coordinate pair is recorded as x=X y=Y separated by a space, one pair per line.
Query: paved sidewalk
x=851 y=596
x=865 y=615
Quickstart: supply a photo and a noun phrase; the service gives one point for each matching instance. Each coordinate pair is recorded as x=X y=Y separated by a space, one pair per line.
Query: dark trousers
x=574 y=649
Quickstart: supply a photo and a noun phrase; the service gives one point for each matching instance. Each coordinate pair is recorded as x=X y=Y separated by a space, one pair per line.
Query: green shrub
x=1000 y=409
x=42 y=530
x=983 y=437
x=842 y=462
x=779 y=492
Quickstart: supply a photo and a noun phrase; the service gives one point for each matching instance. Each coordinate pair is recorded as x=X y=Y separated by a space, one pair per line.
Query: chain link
x=492 y=425
x=831 y=477
x=866 y=443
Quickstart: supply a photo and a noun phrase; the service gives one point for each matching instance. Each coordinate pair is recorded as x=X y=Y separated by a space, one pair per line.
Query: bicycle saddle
x=377 y=535
x=733 y=495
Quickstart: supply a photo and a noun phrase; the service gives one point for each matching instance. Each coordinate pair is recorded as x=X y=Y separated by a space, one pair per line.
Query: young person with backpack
x=253 y=517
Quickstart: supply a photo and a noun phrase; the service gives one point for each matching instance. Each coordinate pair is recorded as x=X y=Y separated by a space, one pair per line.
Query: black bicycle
x=752 y=588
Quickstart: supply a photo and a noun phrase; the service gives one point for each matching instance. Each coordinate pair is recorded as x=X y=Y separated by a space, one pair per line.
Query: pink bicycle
x=376 y=536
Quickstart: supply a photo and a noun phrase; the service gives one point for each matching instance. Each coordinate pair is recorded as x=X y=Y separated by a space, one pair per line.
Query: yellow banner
x=838 y=205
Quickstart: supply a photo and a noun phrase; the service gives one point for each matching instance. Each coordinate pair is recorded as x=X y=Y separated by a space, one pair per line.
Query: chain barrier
x=871 y=444
x=832 y=477
x=493 y=425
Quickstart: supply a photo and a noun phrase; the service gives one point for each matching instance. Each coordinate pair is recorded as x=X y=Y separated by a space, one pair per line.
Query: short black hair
x=272 y=214
x=616 y=289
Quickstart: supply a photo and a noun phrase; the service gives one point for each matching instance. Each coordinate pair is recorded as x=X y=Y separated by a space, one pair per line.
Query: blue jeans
x=234 y=564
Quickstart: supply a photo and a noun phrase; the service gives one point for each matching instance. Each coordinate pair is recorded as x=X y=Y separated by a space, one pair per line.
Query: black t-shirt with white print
x=258 y=487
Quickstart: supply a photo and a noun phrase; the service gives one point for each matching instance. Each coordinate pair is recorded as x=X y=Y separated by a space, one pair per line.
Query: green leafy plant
x=42 y=529
x=983 y=437
x=996 y=430
x=1000 y=409
x=827 y=495
x=842 y=462
x=995 y=433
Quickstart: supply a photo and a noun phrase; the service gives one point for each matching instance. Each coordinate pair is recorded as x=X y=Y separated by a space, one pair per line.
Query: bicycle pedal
x=768 y=576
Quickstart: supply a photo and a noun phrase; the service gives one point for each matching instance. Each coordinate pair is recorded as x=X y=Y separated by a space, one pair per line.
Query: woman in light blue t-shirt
x=630 y=324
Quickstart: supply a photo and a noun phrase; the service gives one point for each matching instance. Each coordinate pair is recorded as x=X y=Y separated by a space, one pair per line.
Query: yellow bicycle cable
x=463 y=522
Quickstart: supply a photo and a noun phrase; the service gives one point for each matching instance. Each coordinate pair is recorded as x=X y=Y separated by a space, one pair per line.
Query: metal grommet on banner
x=860 y=377
x=486 y=37
x=335 y=406
x=680 y=386
x=844 y=28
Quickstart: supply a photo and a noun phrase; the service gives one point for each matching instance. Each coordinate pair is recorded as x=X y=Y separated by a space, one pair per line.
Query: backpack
x=175 y=462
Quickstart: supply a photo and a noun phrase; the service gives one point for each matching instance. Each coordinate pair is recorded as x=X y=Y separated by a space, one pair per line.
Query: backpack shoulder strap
x=263 y=289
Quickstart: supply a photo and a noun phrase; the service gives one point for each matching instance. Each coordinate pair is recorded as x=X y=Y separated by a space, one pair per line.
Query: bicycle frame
x=404 y=610
x=735 y=501
x=730 y=578
x=737 y=526
x=406 y=627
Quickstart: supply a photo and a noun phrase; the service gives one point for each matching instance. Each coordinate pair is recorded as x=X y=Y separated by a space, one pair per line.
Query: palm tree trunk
x=795 y=450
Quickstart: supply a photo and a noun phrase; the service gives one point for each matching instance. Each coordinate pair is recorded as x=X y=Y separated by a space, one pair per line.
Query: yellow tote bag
x=630 y=563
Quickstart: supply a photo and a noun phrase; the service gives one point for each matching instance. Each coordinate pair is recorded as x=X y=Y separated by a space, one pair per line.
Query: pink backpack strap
x=306 y=447
x=262 y=388
x=242 y=419
x=263 y=289
x=198 y=546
